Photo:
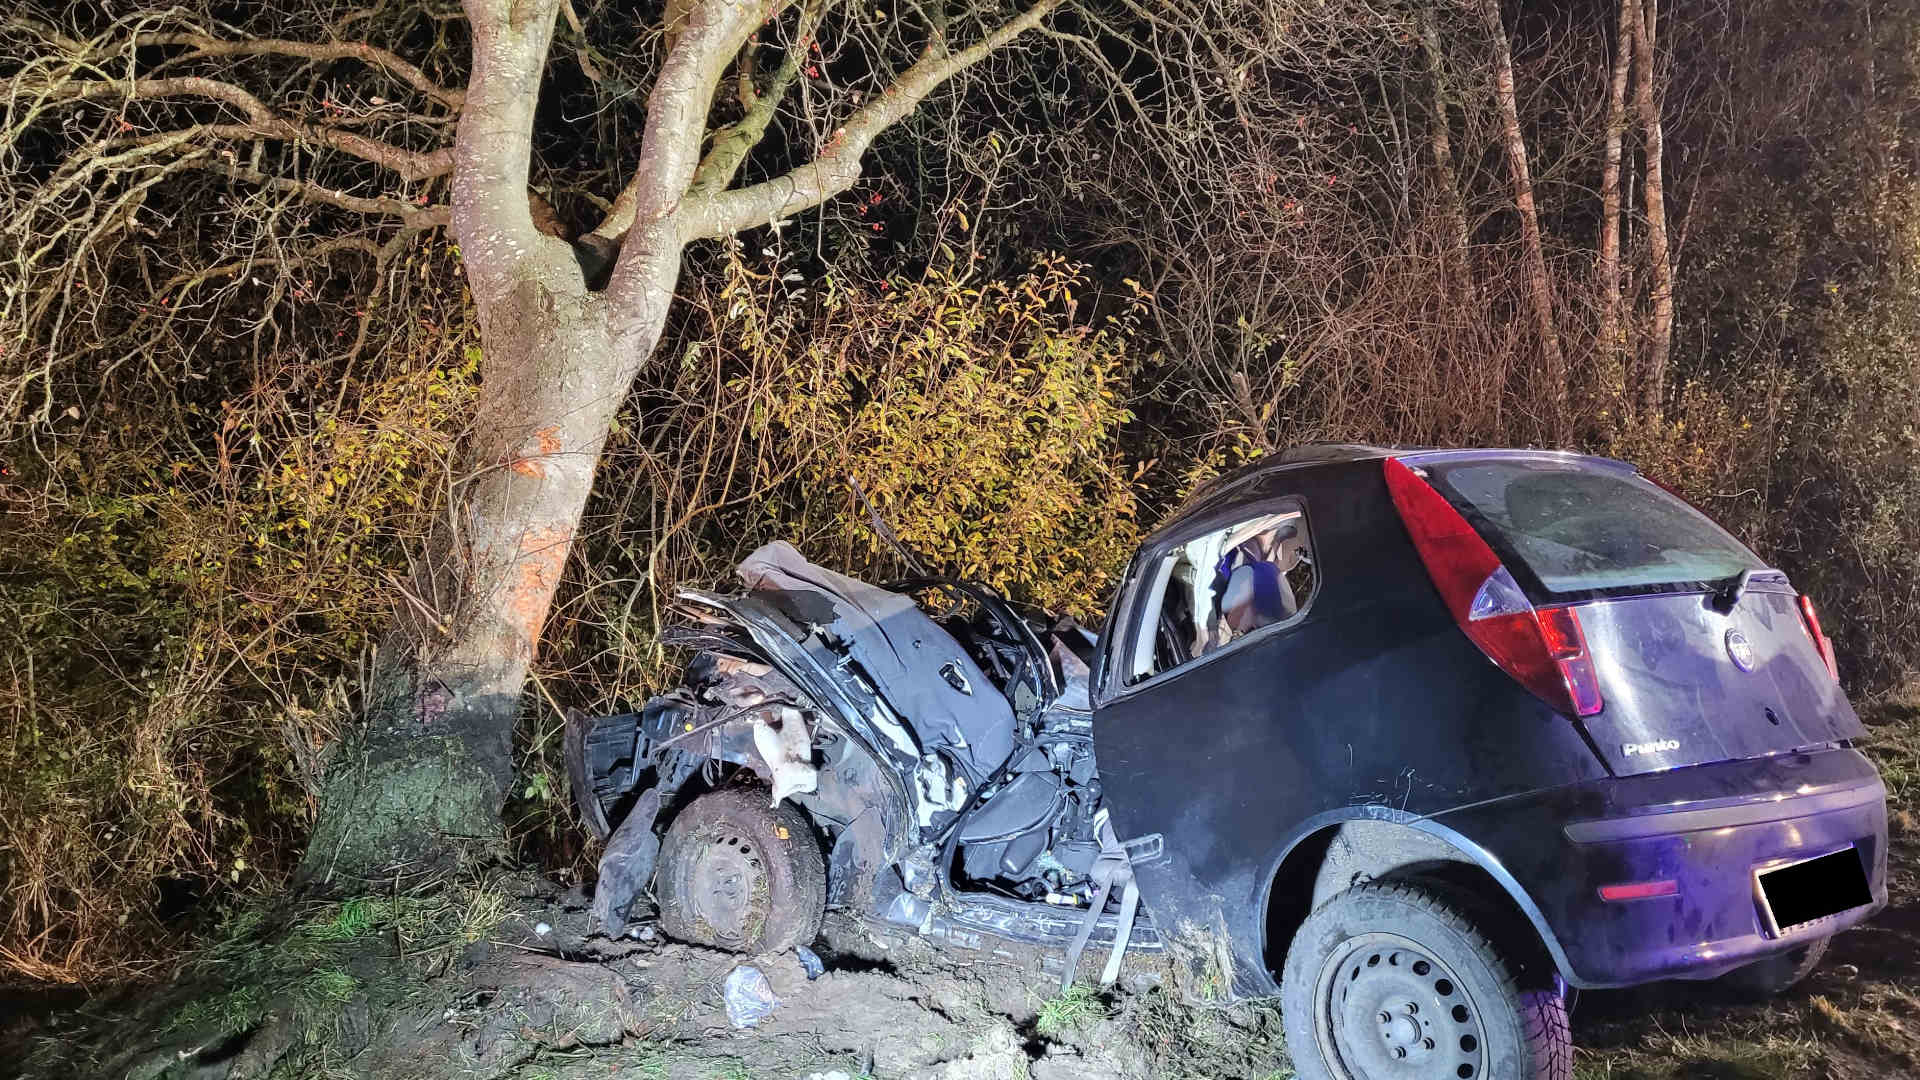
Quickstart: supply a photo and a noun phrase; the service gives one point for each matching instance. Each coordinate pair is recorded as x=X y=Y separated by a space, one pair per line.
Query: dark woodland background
x=1151 y=243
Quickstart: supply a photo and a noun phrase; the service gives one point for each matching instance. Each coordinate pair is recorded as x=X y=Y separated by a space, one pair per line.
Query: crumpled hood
x=921 y=671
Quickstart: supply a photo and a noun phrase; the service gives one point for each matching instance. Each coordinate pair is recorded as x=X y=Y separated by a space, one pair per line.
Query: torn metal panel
x=858 y=859
x=626 y=867
x=579 y=728
x=918 y=667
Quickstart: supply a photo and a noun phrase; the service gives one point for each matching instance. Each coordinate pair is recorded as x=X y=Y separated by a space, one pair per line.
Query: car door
x=1367 y=702
x=1173 y=733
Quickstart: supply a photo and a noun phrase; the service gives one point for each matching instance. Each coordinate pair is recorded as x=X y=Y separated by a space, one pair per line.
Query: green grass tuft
x=1073 y=1009
x=228 y=1013
x=351 y=919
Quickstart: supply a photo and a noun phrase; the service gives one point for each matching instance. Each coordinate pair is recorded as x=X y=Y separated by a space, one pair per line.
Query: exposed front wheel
x=1763 y=979
x=1390 y=981
x=738 y=875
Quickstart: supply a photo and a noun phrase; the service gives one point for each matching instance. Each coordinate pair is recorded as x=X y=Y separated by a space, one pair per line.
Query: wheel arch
x=859 y=820
x=1329 y=851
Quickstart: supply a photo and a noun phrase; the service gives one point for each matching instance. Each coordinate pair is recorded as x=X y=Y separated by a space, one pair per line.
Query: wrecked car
x=1417 y=740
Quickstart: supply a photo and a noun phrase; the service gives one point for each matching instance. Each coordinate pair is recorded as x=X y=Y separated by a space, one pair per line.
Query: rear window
x=1581 y=530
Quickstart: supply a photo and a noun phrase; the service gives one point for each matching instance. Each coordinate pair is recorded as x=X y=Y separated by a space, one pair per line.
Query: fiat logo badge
x=1740 y=650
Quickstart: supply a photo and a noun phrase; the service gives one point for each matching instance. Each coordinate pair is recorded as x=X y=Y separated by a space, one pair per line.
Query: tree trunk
x=1653 y=379
x=1539 y=285
x=425 y=783
x=1440 y=140
x=1608 y=341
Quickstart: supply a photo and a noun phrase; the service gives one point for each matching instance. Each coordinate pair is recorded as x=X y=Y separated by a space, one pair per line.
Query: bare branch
x=204 y=45
x=837 y=167
x=411 y=216
x=262 y=121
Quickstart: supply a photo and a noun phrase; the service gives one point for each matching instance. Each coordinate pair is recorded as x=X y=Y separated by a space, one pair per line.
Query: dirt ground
x=530 y=997
x=496 y=978
x=520 y=993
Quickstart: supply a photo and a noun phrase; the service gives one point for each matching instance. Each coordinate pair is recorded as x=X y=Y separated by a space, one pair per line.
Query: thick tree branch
x=837 y=167
x=705 y=41
x=493 y=150
x=732 y=144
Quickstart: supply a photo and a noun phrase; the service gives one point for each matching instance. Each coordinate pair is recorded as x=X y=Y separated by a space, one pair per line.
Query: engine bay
x=929 y=728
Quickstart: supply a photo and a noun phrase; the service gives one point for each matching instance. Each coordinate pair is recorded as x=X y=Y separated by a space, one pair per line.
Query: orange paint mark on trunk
x=545 y=442
x=542 y=556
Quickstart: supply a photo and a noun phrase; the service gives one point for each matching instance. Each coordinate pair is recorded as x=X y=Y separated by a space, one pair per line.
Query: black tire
x=1767 y=978
x=737 y=875
x=1391 y=981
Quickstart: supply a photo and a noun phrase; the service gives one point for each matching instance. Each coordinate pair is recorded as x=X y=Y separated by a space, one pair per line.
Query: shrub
x=185 y=593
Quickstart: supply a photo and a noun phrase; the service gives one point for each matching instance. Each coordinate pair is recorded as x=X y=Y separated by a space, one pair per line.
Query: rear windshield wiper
x=1727 y=592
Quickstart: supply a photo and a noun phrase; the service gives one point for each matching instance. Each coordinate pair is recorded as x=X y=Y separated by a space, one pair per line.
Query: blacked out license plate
x=1812 y=889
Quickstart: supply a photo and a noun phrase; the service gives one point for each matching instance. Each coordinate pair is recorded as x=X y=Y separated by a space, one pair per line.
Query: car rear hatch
x=1685 y=647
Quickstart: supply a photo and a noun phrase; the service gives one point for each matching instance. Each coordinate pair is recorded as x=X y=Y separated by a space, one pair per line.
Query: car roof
x=1220 y=490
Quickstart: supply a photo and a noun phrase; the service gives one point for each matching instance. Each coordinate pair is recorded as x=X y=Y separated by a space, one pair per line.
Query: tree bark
x=1608 y=341
x=1653 y=378
x=1533 y=254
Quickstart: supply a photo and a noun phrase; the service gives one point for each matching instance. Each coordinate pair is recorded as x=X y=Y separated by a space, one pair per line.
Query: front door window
x=1221 y=587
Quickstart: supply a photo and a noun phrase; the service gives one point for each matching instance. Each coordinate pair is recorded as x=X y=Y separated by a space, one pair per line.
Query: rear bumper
x=1707 y=828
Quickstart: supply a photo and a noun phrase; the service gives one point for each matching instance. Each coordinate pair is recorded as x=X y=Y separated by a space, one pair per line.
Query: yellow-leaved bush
x=980 y=418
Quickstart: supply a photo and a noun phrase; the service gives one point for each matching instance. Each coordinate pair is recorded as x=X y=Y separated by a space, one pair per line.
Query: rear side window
x=1583 y=530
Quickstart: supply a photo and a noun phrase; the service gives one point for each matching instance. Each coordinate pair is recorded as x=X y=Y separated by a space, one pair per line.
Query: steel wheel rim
x=727 y=888
x=1385 y=1006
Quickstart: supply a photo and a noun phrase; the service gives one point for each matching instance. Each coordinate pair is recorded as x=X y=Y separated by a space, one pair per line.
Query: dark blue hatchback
x=1526 y=721
x=1415 y=740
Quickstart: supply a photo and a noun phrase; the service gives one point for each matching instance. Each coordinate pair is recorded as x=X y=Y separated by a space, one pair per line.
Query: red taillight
x=1821 y=641
x=1640 y=890
x=1544 y=649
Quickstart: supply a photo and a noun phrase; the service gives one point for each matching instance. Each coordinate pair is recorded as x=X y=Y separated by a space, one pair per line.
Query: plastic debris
x=810 y=962
x=749 y=996
x=834 y=1075
x=787 y=750
x=542 y=929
